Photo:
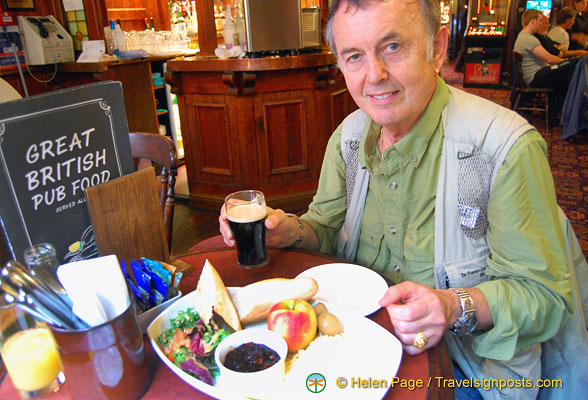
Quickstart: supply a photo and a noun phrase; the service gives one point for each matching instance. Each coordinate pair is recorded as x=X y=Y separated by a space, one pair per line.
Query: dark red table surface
x=284 y=263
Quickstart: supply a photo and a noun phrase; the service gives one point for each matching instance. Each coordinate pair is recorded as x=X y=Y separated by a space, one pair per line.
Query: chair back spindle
x=149 y=148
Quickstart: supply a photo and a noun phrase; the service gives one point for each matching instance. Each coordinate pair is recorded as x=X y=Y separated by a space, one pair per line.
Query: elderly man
x=450 y=197
x=550 y=45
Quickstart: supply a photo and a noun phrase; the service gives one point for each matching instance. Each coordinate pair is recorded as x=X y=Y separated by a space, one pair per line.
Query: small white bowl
x=260 y=384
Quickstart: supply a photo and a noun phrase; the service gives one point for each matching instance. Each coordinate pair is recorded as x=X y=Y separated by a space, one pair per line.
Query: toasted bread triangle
x=213 y=293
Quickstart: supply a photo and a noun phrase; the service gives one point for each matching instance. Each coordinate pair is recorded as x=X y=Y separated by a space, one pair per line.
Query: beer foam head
x=246 y=213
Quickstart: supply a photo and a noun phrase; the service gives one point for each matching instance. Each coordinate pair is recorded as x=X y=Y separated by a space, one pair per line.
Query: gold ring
x=420 y=341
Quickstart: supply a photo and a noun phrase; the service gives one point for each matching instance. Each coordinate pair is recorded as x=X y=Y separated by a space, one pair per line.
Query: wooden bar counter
x=257 y=123
x=135 y=76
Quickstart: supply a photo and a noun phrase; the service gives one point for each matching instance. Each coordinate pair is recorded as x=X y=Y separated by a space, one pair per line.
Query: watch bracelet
x=299 y=238
x=459 y=328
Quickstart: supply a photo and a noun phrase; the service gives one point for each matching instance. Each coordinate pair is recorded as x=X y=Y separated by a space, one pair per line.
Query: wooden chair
x=148 y=148
x=524 y=98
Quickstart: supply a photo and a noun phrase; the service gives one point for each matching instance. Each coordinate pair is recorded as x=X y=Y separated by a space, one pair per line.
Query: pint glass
x=246 y=213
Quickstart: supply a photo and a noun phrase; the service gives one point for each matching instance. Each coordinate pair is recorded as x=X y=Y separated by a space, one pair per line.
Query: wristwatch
x=299 y=238
x=468 y=320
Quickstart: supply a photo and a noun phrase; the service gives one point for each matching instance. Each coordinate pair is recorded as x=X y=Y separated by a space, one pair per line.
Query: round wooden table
x=427 y=368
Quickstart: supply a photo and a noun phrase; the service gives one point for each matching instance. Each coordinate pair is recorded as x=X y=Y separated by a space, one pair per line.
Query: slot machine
x=485 y=41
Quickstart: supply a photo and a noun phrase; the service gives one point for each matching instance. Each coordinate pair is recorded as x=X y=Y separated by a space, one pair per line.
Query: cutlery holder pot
x=107 y=361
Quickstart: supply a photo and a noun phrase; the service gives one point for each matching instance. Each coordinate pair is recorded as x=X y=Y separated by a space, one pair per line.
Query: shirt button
x=567 y=275
x=396 y=268
x=414 y=159
x=393 y=185
x=393 y=230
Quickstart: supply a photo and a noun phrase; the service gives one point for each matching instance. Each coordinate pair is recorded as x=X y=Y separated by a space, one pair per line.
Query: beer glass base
x=252 y=266
x=51 y=388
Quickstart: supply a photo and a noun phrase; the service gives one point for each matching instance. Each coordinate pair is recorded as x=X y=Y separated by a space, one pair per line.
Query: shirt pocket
x=419 y=257
x=371 y=246
x=419 y=246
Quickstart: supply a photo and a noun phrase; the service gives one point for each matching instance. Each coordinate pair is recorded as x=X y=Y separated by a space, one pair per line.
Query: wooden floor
x=190 y=225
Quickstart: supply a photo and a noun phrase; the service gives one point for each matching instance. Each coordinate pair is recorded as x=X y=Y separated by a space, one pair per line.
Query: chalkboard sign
x=52 y=147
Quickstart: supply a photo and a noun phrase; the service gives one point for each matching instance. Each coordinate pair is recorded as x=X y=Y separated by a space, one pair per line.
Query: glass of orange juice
x=29 y=353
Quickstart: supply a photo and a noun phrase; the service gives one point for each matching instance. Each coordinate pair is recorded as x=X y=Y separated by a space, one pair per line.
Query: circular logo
x=316 y=383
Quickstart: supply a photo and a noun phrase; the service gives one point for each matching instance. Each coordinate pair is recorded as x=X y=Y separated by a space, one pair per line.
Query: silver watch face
x=466 y=323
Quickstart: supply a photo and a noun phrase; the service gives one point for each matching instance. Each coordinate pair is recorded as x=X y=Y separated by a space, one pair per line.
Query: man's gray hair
x=431 y=12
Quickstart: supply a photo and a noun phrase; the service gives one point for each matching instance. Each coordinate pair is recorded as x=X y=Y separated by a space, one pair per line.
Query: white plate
x=370 y=351
x=354 y=287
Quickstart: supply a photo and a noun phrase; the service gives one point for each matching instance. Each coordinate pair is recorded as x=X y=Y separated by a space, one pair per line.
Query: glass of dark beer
x=246 y=213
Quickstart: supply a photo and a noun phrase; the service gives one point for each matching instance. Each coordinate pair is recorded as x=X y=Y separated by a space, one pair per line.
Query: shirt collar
x=414 y=144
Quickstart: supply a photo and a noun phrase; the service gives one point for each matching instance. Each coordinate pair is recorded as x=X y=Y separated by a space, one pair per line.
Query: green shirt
x=528 y=294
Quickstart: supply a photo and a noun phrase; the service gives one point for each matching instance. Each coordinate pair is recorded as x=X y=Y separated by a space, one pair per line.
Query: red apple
x=295 y=321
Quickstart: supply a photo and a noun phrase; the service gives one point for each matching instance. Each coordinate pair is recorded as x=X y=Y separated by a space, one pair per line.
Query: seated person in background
x=577 y=33
x=398 y=193
x=540 y=68
x=565 y=20
x=550 y=45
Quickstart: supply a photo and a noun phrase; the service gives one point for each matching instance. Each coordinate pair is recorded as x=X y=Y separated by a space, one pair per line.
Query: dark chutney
x=251 y=357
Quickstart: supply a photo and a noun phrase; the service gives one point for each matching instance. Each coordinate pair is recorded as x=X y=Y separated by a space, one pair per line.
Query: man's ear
x=440 y=44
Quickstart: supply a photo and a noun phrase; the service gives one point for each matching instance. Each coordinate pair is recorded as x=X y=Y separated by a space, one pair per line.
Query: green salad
x=189 y=343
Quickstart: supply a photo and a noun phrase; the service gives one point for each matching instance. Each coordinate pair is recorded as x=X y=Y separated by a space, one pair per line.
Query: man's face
x=543 y=25
x=579 y=6
x=569 y=23
x=382 y=52
x=535 y=25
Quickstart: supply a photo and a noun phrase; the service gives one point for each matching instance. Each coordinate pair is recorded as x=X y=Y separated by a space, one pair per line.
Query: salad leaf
x=212 y=339
x=197 y=370
x=185 y=319
x=197 y=346
x=180 y=355
x=219 y=323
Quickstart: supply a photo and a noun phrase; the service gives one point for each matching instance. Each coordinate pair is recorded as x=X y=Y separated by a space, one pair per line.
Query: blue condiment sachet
x=140 y=303
x=154 y=281
x=161 y=288
x=157 y=267
x=143 y=281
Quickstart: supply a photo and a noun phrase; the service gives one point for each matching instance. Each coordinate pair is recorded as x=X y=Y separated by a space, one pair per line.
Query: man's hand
x=418 y=308
x=281 y=231
x=224 y=228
